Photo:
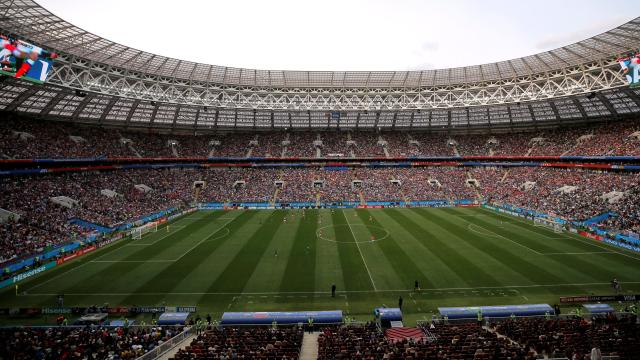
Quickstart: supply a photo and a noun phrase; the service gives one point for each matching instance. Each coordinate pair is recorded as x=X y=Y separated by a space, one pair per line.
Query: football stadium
x=159 y=207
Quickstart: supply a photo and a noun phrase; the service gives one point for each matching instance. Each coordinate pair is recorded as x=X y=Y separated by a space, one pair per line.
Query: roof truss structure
x=132 y=87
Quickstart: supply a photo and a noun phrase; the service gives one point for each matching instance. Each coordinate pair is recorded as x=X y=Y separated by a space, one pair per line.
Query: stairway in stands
x=402 y=333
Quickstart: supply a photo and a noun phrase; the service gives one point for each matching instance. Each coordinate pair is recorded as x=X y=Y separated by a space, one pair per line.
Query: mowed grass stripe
x=405 y=268
x=69 y=279
x=539 y=238
x=459 y=240
x=114 y=276
x=510 y=255
x=584 y=268
x=355 y=273
x=630 y=258
x=271 y=269
x=437 y=240
x=216 y=255
x=328 y=267
x=430 y=264
x=382 y=271
x=300 y=273
x=237 y=273
x=611 y=265
x=173 y=274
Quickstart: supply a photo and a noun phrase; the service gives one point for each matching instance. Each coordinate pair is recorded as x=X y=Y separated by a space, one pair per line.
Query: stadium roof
x=28 y=19
x=96 y=81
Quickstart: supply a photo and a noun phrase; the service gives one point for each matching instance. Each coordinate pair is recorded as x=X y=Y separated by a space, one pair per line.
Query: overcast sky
x=345 y=34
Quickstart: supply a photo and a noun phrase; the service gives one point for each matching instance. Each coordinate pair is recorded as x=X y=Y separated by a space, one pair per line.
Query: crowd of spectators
x=42 y=223
x=574 y=338
x=24 y=139
x=299 y=185
x=459 y=341
x=79 y=343
x=572 y=194
x=522 y=338
x=237 y=343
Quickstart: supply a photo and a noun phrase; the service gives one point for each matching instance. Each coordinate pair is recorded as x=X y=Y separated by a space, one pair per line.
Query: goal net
x=548 y=223
x=138 y=232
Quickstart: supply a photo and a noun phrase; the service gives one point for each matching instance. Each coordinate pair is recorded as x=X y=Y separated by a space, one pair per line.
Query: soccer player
x=333 y=290
x=276 y=253
x=400 y=301
x=616 y=285
x=370 y=218
x=168 y=228
x=416 y=286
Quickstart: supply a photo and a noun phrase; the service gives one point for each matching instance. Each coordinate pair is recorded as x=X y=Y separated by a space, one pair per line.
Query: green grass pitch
x=269 y=260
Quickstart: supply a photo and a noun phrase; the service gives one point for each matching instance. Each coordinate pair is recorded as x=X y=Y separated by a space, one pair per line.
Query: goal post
x=548 y=223
x=138 y=232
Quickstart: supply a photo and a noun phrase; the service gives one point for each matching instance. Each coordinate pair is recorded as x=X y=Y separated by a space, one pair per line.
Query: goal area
x=548 y=223
x=138 y=232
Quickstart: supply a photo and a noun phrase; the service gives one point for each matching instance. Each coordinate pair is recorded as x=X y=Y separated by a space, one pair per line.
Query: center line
x=360 y=251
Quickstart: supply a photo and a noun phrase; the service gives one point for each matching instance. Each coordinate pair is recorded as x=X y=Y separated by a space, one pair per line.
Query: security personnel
x=310 y=324
x=479 y=317
x=199 y=326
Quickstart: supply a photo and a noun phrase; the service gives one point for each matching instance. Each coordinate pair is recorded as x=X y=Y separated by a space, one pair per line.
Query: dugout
x=471 y=312
x=387 y=315
x=281 y=318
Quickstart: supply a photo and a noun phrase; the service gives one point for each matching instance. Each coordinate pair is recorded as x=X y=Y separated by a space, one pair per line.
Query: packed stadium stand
x=81 y=342
x=238 y=343
x=31 y=139
x=573 y=194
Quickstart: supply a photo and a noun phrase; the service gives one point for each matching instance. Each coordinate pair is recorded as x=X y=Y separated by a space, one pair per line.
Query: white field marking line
x=555 y=237
x=337 y=292
x=506 y=238
x=568 y=236
x=580 y=253
x=527 y=223
x=76 y=268
x=132 y=261
x=220 y=236
x=604 y=248
x=469 y=226
x=206 y=238
x=94 y=260
x=476 y=215
x=360 y=251
x=89 y=262
x=355 y=241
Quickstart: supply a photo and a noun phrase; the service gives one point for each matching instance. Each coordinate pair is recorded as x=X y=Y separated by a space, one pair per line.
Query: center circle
x=377 y=233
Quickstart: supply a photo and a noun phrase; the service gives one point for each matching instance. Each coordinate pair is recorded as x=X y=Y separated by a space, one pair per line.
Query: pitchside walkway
x=309 y=349
x=169 y=354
